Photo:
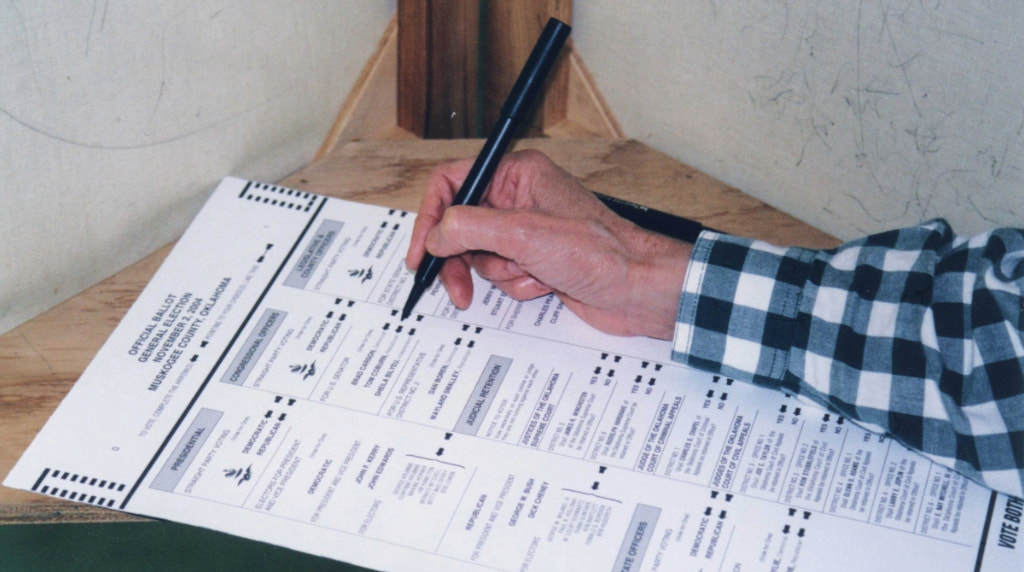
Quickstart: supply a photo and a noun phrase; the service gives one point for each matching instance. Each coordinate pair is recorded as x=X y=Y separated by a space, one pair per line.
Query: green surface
x=145 y=546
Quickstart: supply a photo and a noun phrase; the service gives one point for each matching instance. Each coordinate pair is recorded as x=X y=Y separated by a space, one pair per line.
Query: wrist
x=656 y=283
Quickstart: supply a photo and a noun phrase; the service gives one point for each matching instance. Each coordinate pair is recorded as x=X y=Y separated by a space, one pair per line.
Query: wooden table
x=41 y=359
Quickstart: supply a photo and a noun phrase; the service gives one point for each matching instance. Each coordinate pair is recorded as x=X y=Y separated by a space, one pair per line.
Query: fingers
x=523 y=180
x=505 y=274
x=511 y=234
x=508 y=276
x=457 y=280
x=442 y=185
x=524 y=288
x=495 y=268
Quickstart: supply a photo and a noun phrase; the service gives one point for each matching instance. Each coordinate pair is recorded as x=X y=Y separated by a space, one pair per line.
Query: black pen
x=661 y=222
x=543 y=55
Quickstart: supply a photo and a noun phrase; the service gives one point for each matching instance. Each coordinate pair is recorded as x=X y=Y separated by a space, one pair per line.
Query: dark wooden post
x=457 y=60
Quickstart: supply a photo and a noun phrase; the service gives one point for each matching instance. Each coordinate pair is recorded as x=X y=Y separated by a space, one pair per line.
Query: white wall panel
x=118 y=118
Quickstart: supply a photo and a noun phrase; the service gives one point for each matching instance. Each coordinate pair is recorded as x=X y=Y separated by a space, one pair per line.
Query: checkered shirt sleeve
x=915 y=332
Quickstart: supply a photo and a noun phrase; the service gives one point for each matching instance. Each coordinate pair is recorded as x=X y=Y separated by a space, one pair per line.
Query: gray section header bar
x=185 y=452
x=254 y=346
x=483 y=394
x=314 y=253
x=638 y=536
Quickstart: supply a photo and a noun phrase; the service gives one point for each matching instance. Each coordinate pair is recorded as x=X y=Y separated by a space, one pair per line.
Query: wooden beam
x=389 y=103
x=438 y=59
x=510 y=29
x=458 y=59
x=413 y=65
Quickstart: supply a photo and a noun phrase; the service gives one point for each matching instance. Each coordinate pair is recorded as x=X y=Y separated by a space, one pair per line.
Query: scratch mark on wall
x=926 y=139
x=92 y=22
x=902 y=64
x=103 y=19
x=159 y=97
x=821 y=131
x=999 y=163
x=126 y=147
x=88 y=34
x=974 y=206
x=893 y=214
x=858 y=108
x=27 y=46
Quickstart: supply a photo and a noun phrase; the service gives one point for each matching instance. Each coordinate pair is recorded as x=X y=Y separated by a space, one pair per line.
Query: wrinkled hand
x=539 y=231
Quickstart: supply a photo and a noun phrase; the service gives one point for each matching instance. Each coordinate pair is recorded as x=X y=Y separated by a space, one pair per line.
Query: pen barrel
x=518 y=102
x=479 y=176
x=542 y=57
x=427 y=271
x=654 y=220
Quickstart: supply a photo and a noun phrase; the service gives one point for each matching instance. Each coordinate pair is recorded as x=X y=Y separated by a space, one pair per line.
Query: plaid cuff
x=913 y=332
x=738 y=312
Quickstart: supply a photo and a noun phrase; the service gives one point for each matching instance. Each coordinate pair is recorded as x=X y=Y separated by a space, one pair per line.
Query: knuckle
x=532 y=159
x=531 y=155
x=452 y=221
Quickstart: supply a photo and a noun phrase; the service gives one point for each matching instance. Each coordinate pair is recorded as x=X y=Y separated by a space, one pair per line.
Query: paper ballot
x=263 y=385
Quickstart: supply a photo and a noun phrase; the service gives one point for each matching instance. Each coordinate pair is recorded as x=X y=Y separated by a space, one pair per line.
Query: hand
x=539 y=231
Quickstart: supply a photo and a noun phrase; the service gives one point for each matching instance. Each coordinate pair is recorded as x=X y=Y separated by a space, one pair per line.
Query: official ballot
x=263 y=385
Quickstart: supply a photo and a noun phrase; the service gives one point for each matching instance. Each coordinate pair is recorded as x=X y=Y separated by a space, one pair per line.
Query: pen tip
x=414 y=296
x=409 y=305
